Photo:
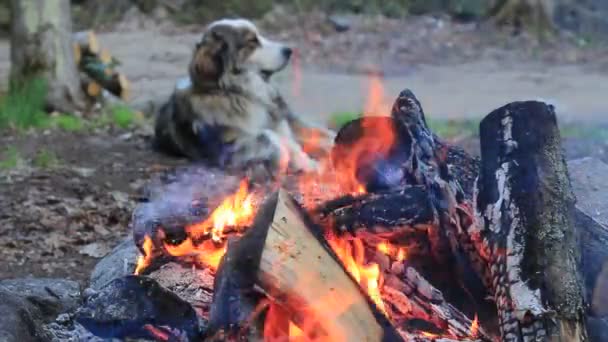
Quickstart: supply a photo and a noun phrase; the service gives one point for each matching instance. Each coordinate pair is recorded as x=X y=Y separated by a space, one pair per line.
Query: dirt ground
x=59 y=220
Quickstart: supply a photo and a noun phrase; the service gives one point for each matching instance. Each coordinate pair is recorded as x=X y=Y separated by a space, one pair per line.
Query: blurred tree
x=41 y=48
x=535 y=15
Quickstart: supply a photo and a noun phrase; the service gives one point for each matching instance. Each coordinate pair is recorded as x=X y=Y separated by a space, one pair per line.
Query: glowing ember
x=208 y=253
x=352 y=256
x=145 y=260
x=474 y=330
x=429 y=335
x=397 y=253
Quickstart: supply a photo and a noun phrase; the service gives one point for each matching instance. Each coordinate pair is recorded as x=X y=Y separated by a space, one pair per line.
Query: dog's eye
x=253 y=40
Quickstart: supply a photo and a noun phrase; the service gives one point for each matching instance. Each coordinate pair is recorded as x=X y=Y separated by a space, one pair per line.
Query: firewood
x=119 y=85
x=525 y=232
x=91 y=87
x=285 y=255
x=87 y=41
x=105 y=56
x=403 y=208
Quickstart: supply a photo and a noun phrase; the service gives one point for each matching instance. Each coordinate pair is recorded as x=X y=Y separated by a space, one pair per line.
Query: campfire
x=395 y=242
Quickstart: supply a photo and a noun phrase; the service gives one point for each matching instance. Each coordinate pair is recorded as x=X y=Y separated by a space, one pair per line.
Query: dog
x=229 y=114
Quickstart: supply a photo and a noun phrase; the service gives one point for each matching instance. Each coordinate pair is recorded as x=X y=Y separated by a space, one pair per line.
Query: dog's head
x=234 y=46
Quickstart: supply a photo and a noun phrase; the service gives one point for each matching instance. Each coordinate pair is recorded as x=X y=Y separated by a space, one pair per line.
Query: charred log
x=382 y=213
x=526 y=234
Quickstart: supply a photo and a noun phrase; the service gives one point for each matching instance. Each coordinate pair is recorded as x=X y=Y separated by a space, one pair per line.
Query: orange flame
x=145 y=260
x=474 y=330
x=368 y=276
x=376 y=139
x=376 y=104
x=236 y=211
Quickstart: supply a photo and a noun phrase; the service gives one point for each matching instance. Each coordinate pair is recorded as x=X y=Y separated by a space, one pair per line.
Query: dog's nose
x=286 y=52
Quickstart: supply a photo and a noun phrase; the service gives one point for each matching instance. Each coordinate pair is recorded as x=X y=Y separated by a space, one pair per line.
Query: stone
x=125 y=306
x=119 y=262
x=587 y=175
x=591 y=221
x=339 y=23
x=20 y=321
x=50 y=296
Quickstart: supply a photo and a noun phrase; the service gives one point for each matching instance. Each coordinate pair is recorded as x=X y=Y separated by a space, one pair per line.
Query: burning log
x=525 y=232
x=407 y=207
x=286 y=256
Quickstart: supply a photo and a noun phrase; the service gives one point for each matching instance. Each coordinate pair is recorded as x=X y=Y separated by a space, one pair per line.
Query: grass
x=23 y=106
x=122 y=116
x=11 y=158
x=579 y=131
x=45 y=159
x=68 y=123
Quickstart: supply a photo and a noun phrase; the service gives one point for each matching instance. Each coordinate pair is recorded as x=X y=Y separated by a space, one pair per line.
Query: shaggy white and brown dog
x=230 y=115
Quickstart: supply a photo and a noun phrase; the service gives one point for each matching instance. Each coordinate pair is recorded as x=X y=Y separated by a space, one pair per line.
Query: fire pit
x=405 y=238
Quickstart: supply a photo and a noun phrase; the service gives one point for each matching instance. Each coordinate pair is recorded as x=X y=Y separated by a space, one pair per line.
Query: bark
x=525 y=206
x=41 y=47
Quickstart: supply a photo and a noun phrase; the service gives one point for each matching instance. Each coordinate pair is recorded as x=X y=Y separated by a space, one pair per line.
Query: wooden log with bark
x=525 y=302
x=525 y=231
x=285 y=258
x=41 y=47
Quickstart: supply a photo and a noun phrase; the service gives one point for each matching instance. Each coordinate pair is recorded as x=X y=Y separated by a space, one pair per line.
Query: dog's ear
x=207 y=63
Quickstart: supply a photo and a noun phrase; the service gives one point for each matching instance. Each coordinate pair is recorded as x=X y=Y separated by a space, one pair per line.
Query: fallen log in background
x=98 y=67
x=525 y=232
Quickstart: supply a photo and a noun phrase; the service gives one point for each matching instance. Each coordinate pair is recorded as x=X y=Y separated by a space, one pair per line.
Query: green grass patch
x=584 y=131
x=338 y=120
x=68 y=123
x=449 y=129
x=122 y=116
x=10 y=158
x=23 y=106
x=45 y=159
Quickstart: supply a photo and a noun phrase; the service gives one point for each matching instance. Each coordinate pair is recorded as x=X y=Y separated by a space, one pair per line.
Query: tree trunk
x=41 y=47
x=525 y=207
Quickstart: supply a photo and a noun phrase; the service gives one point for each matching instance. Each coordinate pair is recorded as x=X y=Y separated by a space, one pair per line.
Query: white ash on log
x=525 y=231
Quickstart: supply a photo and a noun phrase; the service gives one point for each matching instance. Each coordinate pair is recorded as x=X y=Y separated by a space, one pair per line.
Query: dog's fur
x=230 y=115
